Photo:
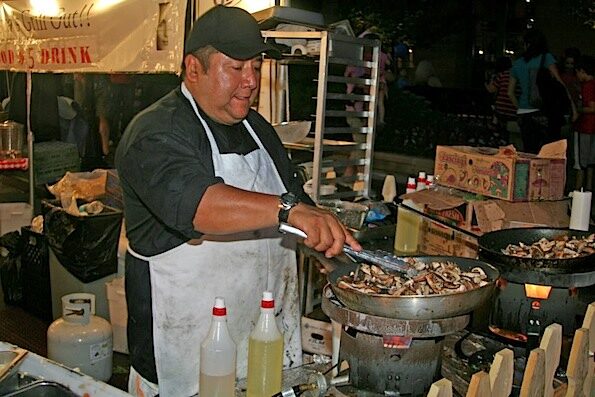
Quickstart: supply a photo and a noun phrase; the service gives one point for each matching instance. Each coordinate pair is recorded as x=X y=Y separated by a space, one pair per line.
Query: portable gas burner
x=390 y=356
x=535 y=292
x=393 y=343
x=526 y=308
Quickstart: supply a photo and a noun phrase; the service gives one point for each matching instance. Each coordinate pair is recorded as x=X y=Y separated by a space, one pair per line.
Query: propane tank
x=80 y=339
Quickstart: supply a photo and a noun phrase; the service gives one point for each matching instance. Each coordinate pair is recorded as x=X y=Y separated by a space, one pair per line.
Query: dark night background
x=450 y=32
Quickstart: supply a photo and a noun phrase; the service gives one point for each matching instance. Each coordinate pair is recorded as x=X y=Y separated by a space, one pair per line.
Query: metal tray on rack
x=272 y=16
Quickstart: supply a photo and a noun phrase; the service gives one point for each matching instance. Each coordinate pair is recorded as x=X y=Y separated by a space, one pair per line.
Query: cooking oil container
x=80 y=339
x=12 y=139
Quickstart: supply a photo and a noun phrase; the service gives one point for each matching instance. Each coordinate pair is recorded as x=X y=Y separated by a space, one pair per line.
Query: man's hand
x=325 y=232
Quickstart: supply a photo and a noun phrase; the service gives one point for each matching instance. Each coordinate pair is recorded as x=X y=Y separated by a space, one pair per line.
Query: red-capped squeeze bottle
x=218 y=357
x=265 y=352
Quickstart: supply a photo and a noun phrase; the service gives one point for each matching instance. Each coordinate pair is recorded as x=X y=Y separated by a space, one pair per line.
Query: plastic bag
x=81 y=185
x=10 y=267
x=86 y=246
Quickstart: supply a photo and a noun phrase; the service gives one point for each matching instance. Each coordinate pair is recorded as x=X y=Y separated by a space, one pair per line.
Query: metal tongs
x=384 y=259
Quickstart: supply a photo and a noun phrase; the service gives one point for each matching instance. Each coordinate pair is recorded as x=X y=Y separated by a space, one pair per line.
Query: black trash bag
x=87 y=246
x=10 y=267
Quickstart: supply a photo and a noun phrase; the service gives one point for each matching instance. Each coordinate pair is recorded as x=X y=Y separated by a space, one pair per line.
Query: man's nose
x=250 y=77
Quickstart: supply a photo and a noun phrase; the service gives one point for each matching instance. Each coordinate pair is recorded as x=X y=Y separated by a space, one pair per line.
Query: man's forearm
x=225 y=209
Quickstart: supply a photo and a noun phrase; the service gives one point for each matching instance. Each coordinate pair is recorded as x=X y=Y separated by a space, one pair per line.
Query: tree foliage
x=420 y=22
x=583 y=11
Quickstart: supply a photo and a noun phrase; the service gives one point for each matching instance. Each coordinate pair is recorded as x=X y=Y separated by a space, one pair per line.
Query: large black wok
x=579 y=271
x=424 y=307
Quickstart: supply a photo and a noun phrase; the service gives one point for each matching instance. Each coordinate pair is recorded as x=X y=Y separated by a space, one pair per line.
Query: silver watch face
x=288 y=200
x=286 y=203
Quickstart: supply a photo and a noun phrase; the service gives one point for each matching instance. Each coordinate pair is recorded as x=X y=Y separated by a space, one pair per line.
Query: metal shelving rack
x=339 y=147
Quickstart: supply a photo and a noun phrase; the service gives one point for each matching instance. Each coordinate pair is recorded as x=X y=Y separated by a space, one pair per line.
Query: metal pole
x=30 y=145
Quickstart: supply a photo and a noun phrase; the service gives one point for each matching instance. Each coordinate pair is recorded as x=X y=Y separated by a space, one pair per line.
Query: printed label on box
x=317 y=336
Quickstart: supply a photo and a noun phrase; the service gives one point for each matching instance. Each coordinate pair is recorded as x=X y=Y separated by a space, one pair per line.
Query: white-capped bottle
x=411 y=187
x=430 y=182
x=421 y=181
x=265 y=352
x=218 y=357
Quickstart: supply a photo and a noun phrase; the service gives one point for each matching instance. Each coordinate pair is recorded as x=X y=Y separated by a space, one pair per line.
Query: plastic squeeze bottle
x=265 y=352
x=421 y=181
x=218 y=357
x=408 y=223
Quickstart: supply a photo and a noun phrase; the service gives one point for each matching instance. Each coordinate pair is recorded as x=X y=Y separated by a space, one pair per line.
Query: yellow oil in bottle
x=265 y=366
x=407 y=232
x=217 y=386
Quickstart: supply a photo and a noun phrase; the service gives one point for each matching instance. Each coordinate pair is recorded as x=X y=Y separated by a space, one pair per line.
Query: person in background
x=44 y=118
x=206 y=183
x=385 y=76
x=425 y=75
x=90 y=91
x=537 y=127
x=584 y=122
x=403 y=80
x=568 y=76
x=118 y=108
x=568 y=72
x=504 y=109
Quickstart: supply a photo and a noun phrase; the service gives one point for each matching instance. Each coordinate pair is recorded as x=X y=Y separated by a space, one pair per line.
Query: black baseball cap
x=232 y=31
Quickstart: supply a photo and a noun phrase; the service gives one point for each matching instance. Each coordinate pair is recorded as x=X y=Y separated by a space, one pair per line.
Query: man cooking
x=206 y=183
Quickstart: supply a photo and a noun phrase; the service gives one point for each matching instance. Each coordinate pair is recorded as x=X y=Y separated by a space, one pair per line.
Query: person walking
x=504 y=109
x=584 y=122
x=538 y=125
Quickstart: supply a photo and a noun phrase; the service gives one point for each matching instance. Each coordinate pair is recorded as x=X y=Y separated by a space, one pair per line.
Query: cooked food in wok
x=433 y=278
x=561 y=247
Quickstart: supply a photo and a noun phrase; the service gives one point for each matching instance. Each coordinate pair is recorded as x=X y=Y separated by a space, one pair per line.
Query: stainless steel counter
x=37 y=367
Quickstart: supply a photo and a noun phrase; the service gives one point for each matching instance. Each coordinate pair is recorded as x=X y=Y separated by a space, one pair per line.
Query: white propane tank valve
x=80 y=339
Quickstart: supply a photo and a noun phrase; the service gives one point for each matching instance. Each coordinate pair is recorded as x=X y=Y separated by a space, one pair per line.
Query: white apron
x=185 y=281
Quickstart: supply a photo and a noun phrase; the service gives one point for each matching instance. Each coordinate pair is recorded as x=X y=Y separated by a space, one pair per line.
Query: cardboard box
x=317 y=336
x=504 y=173
x=439 y=239
x=478 y=216
x=13 y=216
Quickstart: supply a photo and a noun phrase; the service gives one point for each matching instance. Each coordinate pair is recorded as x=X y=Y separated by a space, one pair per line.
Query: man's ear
x=193 y=67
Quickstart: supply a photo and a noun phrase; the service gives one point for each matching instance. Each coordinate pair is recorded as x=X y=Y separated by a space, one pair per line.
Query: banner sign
x=92 y=35
x=249 y=5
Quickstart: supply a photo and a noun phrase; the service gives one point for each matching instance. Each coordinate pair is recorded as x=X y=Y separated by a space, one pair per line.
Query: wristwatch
x=286 y=202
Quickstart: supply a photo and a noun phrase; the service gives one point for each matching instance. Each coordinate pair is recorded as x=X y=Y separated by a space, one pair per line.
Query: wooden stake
x=578 y=364
x=589 y=323
x=441 y=388
x=551 y=343
x=479 y=385
x=501 y=373
x=533 y=379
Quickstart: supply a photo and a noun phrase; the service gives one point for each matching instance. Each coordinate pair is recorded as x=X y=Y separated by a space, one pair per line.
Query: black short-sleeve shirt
x=165 y=166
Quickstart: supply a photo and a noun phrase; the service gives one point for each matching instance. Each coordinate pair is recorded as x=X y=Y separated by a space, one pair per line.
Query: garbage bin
x=83 y=253
x=87 y=246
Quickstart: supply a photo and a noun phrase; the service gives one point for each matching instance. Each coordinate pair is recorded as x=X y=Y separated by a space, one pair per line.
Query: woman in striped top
x=504 y=109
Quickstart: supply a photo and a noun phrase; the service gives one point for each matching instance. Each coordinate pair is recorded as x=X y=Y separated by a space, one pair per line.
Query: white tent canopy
x=103 y=36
